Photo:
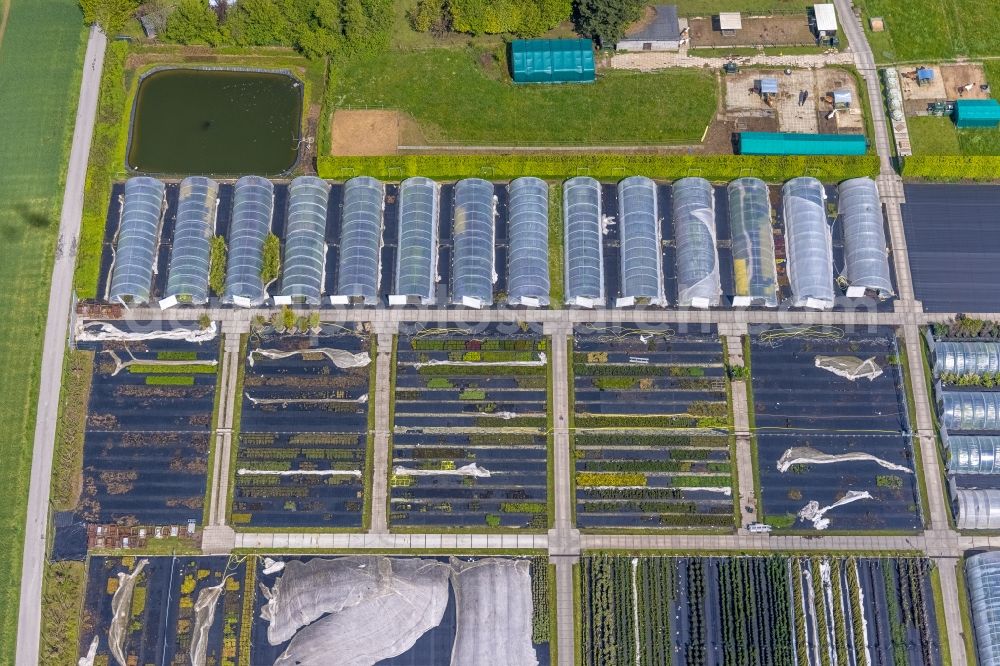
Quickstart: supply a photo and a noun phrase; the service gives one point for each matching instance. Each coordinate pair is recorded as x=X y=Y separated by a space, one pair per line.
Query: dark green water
x=190 y=121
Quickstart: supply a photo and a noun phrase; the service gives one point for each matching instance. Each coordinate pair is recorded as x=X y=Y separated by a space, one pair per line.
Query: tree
x=426 y=14
x=193 y=22
x=111 y=15
x=259 y=23
x=605 y=20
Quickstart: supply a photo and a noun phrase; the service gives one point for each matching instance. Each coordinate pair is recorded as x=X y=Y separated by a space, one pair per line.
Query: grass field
x=938 y=136
x=932 y=29
x=761 y=7
x=463 y=96
x=39 y=77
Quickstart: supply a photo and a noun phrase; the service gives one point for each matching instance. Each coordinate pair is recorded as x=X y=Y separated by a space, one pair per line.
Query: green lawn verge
x=466 y=96
x=67 y=458
x=213 y=439
x=237 y=422
x=941 y=618
x=40 y=68
x=911 y=407
x=965 y=611
x=932 y=29
x=557 y=294
x=62 y=598
x=604 y=166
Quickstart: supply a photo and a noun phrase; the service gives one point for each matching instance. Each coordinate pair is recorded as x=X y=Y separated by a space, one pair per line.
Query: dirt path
x=364 y=132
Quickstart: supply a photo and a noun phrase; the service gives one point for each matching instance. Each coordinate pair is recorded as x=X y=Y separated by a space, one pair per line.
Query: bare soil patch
x=770 y=31
x=369 y=132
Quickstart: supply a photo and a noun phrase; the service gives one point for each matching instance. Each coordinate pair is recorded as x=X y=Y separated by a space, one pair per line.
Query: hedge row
x=952 y=167
x=602 y=166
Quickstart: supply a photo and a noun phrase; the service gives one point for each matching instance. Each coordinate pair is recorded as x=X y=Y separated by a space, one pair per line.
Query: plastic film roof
x=305 y=240
x=982 y=572
x=528 y=241
x=978 y=509
x=698 y=280
x=361 y=239
x=193 y=231
x=866 y=258
x=583 y=240
x=137 y=240
x=755 y=275
x=641 y=264
x=810 y=249
x=970 y=410
x=416 y=263
x=966 y=357
x=253 y=201
x=973 y=454
x=473 y=237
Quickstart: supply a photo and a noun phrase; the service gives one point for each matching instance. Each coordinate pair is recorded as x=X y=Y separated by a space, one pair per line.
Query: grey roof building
x=659 y=32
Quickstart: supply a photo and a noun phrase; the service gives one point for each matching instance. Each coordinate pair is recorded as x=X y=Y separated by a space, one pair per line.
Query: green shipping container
x=785 y=143
x=976 y=113
x=552 y=60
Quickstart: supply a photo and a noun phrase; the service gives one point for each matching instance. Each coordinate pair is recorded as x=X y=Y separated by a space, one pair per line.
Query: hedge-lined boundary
x=952 y=167
x=717 y=168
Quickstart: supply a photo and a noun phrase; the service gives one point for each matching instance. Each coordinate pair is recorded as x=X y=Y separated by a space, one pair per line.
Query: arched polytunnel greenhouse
x=253 y=202
x=137 y=241
x=190 y=254
x=809 y=243
x=416 y=258
x=304 y=263
x=641 y=252
x=474 y=242
x=584 y=247
x=698 y=282
x=866 y=257
x=359 y=261
x=755 y=275
x=528 y=242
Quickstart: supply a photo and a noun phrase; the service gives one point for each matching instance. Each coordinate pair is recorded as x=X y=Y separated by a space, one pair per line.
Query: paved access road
x=60 y=293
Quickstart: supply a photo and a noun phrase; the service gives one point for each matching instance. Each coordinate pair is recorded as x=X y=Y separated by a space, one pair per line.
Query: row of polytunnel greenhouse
x=473 y=274
x=970 y=427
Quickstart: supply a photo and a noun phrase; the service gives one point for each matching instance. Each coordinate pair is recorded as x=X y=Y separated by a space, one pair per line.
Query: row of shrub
x=717 y=168
x=952 y=167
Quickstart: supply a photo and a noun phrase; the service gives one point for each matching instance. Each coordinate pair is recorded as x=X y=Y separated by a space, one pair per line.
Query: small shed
x=552 y=60
x=730 y=22
x=877 y=24
x=785 y=143
x=925 y=75
x=658 y=31
x=766 y=87
x=826 y=19
x=977 y=113
x=841 y=98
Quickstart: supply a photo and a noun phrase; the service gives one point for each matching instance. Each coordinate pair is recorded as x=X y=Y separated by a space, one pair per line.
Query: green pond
x=193 y=121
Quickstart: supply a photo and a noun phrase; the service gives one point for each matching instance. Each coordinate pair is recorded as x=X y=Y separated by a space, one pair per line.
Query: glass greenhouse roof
x=978 y=509
x=698 y=282
x=966 y=357
x=809 y=244
x=528 y=242
x=982 y=572
x=473 y=237
x=416 y=261
x=970 y=410
x=190 y=255
x=304 y=263
x=755 y=275
x=253 y=203
x=137 y=241
x=641 y=254
x=972 y=454
x=866 y=257
x=361 y=239
x=584 y=262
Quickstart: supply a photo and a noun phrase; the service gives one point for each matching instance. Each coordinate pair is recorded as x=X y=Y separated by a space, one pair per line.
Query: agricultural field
x=829 y=444
x=469 y=443
x=164 y=605
x=148 y=427
x=960 y=28
x=466 y=96
x=42 y=42
x=448 y=612
x=695 y=611
x=651 y=429
x=304 y=430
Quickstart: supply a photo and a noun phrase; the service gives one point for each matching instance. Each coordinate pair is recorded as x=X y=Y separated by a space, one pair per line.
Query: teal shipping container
x=785 y=143
x=552 y=60
x=976 y=113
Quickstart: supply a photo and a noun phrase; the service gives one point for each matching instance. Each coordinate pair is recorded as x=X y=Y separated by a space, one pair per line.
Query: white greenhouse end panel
x=168 y=302
x=340 y=300
x=282 y=300
x=396 y=299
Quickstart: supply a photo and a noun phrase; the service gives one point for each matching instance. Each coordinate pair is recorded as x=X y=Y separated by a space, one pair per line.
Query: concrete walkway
x=382 y=461
x=649 y=61
x=60 y=292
